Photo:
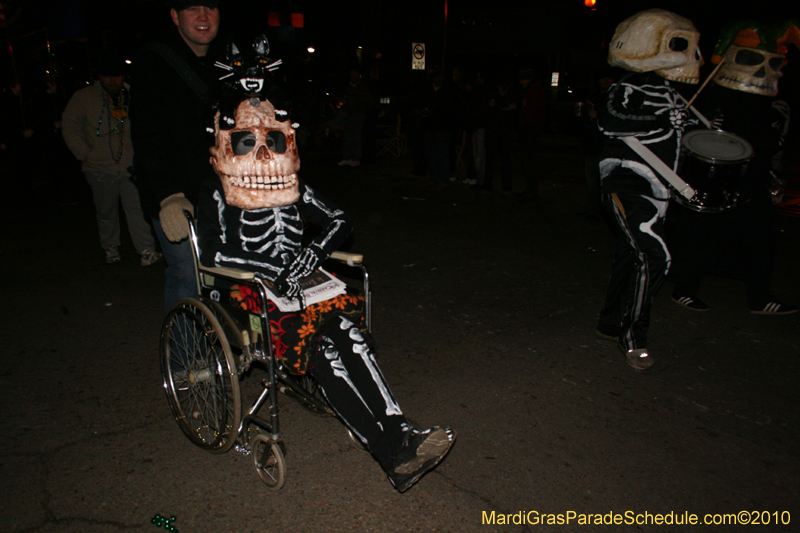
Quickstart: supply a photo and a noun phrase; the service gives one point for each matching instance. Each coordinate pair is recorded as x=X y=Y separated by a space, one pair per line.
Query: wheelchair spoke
x=199 y=376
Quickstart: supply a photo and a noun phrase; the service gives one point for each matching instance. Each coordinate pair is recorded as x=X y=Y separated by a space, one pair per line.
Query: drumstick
x=697 y=113
x=708 y=79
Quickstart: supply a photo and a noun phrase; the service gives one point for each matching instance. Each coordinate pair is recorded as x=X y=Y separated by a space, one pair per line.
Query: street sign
x=417 y=56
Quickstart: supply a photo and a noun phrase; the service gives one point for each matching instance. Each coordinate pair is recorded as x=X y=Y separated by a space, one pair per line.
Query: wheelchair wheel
x=269 y=462
x=199 y=376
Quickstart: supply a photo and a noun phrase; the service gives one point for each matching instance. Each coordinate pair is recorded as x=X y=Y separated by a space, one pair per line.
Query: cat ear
x=234 y=50
x=261 y=45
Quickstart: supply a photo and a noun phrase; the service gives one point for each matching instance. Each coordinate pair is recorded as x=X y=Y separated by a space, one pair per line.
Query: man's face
x=198 y=25
x=112 y=84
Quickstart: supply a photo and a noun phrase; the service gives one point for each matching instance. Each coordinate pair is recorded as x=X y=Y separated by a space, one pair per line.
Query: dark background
x=494 y=37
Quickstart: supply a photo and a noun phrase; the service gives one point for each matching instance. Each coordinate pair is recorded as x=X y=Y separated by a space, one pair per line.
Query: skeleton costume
x=253 y=217
x=655 y=46
x=739 y=243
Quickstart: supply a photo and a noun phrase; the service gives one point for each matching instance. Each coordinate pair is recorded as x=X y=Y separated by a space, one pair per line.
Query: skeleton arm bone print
x=641 y=110
x=336 y=227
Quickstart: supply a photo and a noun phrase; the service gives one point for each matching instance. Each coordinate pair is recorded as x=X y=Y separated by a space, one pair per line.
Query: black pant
x=738 y=244
x=640 y=264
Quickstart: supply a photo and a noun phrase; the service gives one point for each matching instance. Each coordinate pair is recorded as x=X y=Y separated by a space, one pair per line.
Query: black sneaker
x=691 y=302
x=774 y=308
x=421 y=452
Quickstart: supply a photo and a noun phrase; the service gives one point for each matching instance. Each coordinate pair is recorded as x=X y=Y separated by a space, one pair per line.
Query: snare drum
x=713 y=162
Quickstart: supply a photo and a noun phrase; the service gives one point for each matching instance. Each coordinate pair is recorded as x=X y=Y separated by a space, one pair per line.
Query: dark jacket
x=169 y=123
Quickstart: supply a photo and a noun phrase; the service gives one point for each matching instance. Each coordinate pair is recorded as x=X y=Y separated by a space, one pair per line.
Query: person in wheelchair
x=252 y=218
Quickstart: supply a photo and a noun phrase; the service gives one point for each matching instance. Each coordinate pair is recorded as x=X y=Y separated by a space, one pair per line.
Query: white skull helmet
x=257 y=161
x=752 y=55
x=657 y=41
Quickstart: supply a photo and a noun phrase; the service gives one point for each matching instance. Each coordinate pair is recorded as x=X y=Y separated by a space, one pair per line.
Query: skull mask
x=257 y=160
x=750 y=70
x=660 y=41
x=752 y=54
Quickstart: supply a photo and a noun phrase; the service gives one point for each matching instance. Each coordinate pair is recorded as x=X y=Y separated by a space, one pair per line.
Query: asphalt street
x=484 y=312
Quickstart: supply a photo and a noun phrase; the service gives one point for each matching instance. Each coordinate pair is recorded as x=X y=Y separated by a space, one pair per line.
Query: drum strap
x=659 y=166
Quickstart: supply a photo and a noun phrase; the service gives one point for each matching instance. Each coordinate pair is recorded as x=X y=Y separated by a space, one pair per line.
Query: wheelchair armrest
x=228 y=272
x=347 y=257
x=245 y=275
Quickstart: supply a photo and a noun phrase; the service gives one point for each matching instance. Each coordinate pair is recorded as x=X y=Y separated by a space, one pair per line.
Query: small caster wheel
x=269 y=462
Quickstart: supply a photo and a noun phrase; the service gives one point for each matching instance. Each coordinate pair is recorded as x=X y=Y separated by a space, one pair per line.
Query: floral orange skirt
x=296 y=335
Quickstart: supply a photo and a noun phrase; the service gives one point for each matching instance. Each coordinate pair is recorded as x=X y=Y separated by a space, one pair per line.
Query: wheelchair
x=208 y=345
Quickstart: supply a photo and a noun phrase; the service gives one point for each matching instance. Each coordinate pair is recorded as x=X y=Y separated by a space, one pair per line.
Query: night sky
x=480 y=35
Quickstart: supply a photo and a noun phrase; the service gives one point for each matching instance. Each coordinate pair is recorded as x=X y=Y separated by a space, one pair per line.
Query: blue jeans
x=181 y=276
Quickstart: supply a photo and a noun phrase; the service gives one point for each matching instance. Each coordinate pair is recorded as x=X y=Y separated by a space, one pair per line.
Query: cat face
x=249 y=68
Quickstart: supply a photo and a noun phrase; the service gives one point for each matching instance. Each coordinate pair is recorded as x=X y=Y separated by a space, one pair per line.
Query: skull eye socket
x=748 y=58
x=678 y=44
x=242 y=142
x=776 y=63
x=276 y=142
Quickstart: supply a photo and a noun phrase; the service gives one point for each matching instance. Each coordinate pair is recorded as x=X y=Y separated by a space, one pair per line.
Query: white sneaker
x=112 y=255
x=150 y=256
x=344 y=162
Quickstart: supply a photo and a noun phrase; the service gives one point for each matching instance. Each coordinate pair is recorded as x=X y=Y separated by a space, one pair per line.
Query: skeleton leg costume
x=346 y=371
x=640 y=264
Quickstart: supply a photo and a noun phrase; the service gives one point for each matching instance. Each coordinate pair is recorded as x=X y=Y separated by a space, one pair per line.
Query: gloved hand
x=678 y=118
x=173 y=221
x=290 y=288
x=716 y=124
x=305 y=263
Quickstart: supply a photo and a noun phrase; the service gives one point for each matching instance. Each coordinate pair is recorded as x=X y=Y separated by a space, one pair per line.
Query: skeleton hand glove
x=173 y=221
x=290 y=289
x=716 y=124
x=288 y=284
x=678 y=118
x=305 y=263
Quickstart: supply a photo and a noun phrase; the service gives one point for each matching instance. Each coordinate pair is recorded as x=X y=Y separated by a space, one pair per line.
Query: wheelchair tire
x=199 y=376
x=269 y=462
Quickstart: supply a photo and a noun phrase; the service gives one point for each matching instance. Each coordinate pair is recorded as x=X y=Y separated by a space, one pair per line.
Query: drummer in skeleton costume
x=253 y=218
x=742 y=100
x=654 y=46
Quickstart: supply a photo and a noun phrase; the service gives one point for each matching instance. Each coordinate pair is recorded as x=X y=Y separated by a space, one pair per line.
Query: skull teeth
x=263 y=183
